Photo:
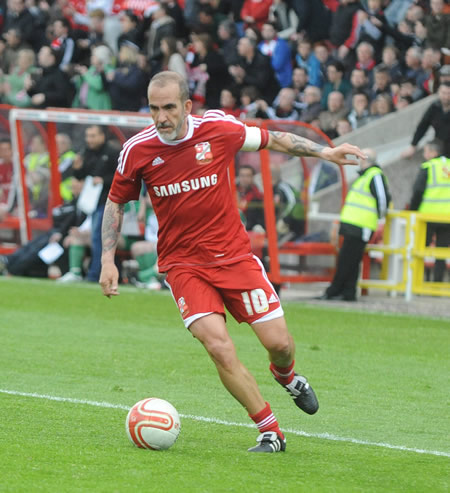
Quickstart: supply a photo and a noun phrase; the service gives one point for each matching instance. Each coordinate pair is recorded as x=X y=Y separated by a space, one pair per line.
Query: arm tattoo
x=295 y=145
x=112 y=225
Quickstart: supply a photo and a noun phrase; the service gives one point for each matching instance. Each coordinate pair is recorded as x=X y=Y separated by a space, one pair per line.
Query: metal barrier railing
x=404 y=254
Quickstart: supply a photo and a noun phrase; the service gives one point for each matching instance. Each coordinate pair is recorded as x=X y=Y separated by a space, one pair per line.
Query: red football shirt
x=188 y=183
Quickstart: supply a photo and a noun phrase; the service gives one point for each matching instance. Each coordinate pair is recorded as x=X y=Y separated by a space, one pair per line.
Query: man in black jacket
x=438 y=117
x=254 y=69
x=342 y=34
x=314 y=19
x=18 y=16
x=52 y=87
x=99 y=160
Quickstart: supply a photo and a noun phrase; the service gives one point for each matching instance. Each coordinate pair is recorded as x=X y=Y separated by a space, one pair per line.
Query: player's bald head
x=163 y=79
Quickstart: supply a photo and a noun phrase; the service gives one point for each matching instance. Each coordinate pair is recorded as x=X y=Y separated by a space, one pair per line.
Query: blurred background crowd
x=334 y=64
x=337 y=64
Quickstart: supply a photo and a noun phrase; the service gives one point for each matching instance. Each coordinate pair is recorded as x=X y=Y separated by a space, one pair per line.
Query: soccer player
x=202 y=244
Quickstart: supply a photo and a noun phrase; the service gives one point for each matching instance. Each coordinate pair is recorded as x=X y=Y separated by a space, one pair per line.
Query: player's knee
x=223 y=354
x=281 y=346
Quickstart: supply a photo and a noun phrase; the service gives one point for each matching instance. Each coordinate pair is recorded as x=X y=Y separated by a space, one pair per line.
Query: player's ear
x=187 y=107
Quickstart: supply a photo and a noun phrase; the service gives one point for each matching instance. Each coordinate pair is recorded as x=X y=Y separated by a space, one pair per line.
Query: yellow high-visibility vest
x=360 y=207
x=436 y=198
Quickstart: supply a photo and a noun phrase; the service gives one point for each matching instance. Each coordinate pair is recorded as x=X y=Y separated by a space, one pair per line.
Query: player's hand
x=109 y=279
x=339 y=154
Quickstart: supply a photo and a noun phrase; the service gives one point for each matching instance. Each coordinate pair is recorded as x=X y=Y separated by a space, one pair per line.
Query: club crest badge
x=182 y=306
x=203 y=153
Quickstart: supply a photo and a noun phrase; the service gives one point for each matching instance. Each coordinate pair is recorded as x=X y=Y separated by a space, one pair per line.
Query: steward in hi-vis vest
x=435 y=197
x=366 y=202
x=431 y=195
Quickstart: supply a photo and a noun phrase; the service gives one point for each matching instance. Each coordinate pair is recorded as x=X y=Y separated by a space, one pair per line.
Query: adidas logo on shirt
x=273 y=299
x=157 y=161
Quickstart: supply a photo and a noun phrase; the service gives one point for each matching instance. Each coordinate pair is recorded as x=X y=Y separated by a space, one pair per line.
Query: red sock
x=283 y=375
x=266 y=421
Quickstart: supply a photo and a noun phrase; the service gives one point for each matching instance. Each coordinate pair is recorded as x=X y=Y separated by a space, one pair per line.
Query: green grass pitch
x=382 y=382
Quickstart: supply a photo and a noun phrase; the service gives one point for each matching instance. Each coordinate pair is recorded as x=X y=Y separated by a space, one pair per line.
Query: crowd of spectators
x=337 y=64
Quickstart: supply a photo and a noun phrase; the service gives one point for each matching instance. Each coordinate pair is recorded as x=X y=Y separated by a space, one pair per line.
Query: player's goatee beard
x=172 y=135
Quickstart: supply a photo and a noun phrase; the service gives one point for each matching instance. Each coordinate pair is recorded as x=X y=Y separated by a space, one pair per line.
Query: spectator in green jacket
x=12 y=87
x=91 y=91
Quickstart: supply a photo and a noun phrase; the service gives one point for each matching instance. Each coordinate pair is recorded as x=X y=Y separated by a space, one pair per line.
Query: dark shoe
x=303 y=394
x=269 y=442
x=327 y=297
x=349 y=298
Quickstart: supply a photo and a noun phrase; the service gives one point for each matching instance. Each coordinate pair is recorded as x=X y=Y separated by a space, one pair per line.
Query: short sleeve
x=126 y=184
x=124 y=189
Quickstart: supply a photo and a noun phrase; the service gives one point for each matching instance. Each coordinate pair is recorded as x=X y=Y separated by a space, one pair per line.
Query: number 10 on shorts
x=255 y=301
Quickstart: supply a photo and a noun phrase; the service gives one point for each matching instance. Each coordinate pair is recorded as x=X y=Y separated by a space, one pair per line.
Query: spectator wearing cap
x=279 y=52
x=254 y=69
x=63 y=43
x=126 y=84
x=50 y=87
x=336 y=82
x=437 y=116
x=438 y=25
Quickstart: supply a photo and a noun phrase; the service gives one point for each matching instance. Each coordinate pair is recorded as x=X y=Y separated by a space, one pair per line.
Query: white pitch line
x=323 y=436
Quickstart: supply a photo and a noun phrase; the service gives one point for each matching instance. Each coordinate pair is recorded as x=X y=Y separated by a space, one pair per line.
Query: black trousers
x=347 y=270
x=26 y=262
x=442 y=232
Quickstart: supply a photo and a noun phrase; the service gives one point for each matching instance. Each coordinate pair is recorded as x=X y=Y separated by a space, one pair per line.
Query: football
x=153 y=424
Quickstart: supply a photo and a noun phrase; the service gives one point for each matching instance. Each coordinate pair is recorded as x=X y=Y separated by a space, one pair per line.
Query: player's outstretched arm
x=111 y=227
x=299 y=146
